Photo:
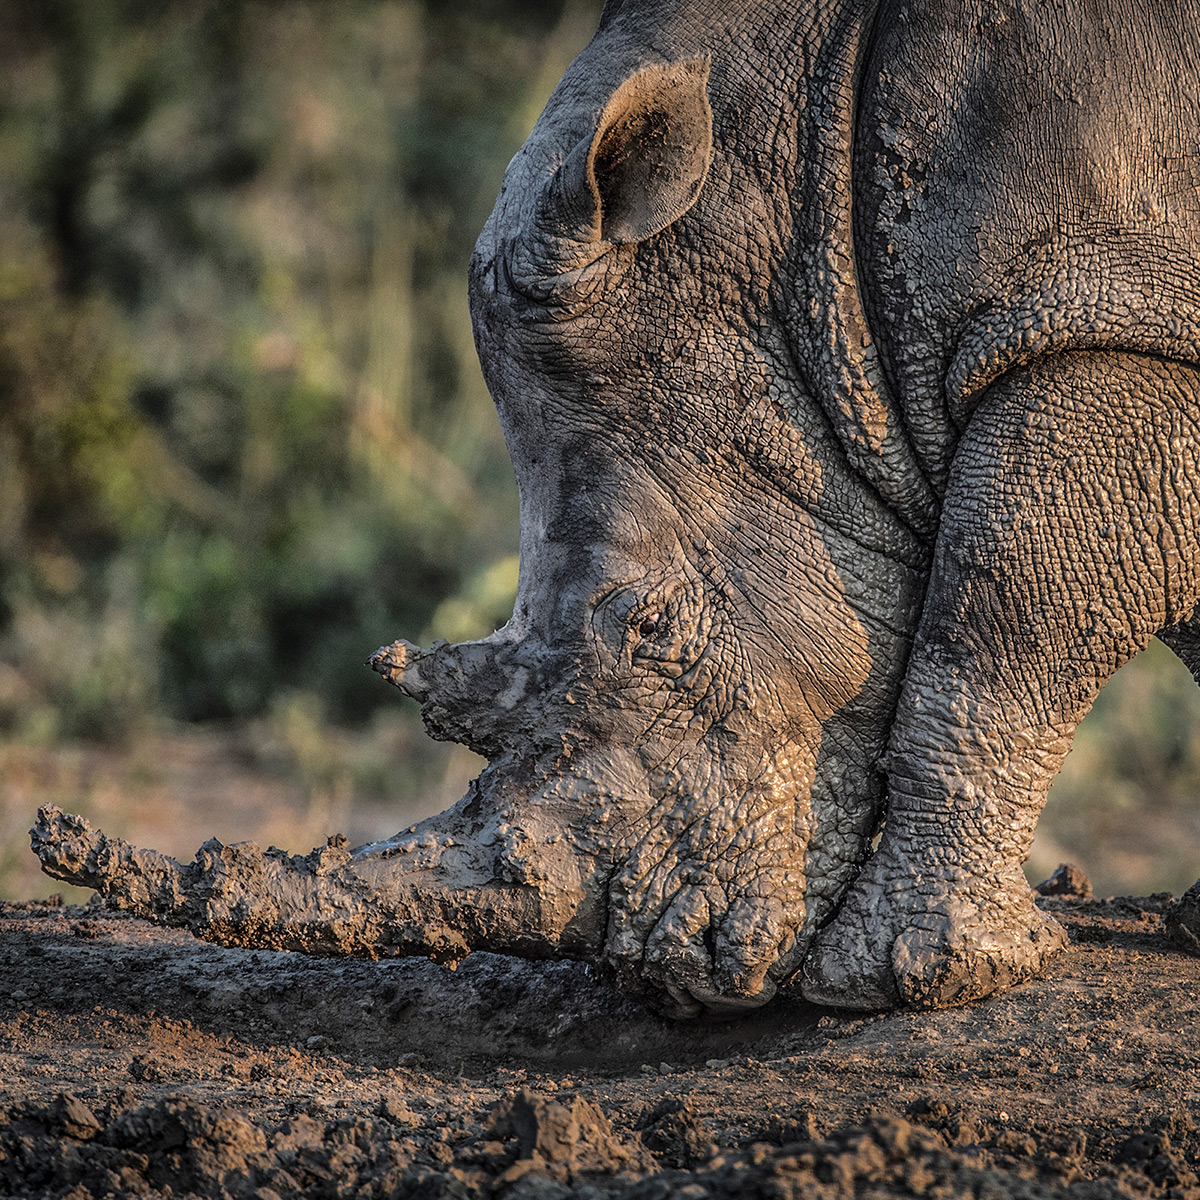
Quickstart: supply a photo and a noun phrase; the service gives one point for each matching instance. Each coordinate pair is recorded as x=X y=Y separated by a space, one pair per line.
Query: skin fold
x=848 y=355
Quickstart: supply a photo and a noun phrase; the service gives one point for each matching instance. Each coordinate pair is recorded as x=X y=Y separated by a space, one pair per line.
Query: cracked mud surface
x=140 y=1061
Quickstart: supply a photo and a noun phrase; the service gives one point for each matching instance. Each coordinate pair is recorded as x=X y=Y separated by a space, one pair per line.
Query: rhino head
x=685 y=715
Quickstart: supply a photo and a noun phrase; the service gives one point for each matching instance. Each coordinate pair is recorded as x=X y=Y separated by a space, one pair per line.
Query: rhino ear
x=650 y=154
x=642 y=168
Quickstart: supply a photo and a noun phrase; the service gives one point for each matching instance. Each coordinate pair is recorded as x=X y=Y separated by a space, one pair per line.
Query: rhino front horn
x=432 y=892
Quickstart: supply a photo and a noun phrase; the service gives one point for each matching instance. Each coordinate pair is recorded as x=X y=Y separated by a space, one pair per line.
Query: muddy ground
x=136 y=1061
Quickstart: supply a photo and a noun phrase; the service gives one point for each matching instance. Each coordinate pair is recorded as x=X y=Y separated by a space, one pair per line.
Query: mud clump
x=532 y=1148
x=1182 y=919
x=66 y=1150
x=561 y=1143
x=1068 y=880
x=677 y=1134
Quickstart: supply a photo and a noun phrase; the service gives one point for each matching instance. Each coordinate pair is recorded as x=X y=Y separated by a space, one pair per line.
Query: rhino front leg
x=1068 y=540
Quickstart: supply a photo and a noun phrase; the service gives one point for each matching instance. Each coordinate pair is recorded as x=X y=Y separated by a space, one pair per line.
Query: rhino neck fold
x=831 y=336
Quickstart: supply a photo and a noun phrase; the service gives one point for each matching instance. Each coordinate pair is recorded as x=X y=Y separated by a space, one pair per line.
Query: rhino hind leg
x=1051 y=571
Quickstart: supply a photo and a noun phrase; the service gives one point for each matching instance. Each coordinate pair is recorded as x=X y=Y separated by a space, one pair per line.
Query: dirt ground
x=136 y=1061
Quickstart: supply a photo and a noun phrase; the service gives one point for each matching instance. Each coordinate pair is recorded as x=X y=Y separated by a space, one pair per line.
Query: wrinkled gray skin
x=847 y=357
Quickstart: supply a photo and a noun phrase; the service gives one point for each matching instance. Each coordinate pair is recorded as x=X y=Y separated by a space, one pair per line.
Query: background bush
x=243 y=436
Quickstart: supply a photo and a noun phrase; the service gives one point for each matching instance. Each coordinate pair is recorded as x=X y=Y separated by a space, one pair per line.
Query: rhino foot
x=929 y=944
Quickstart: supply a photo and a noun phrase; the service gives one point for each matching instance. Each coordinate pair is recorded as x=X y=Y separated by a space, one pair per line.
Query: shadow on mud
x=397 y=1011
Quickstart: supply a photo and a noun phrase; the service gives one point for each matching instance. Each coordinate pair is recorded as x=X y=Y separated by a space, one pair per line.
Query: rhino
x=848 y=357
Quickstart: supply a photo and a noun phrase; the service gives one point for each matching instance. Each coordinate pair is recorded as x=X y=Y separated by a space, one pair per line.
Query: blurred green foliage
x=243 y=435
x=1124 y=807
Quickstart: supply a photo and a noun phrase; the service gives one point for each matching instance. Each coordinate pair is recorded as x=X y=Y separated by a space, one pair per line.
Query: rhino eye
x=648 y=626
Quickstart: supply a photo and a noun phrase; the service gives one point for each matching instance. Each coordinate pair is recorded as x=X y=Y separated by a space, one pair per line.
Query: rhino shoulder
x=1027 y=181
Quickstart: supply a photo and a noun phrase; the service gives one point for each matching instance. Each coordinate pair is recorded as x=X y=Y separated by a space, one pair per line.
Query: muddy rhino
x=848 y=355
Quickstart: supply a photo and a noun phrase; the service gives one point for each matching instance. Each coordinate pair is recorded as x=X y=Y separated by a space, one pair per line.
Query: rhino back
x=1027 y=181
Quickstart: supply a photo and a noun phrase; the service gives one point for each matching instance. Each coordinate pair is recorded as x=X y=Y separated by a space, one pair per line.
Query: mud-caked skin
x=848 y=355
